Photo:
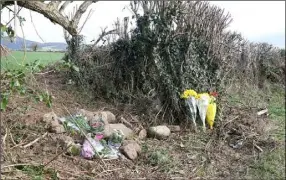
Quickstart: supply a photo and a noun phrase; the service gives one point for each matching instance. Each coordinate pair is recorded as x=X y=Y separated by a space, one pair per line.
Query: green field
x=17 y=59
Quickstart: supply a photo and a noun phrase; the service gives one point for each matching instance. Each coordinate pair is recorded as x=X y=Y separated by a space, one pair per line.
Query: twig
x=257 y=147
x=13 y=16
x=58 y=155
x=35 y=27
x=109 y=170
x=36 y=140
x=12 y=139
x=45 y=72
x=78 y=174
x=25 y=48
x=230 y=120
x=86 y=19
x=102 y=35
x=4 y=138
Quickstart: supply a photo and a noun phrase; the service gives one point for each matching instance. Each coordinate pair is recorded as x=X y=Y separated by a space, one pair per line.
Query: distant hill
x=18 y=45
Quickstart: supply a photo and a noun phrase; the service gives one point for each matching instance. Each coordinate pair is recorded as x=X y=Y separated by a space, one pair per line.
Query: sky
x=258 y=21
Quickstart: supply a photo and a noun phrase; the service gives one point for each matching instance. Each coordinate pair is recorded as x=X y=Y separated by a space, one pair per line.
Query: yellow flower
x=189 y=93
x=211 y=113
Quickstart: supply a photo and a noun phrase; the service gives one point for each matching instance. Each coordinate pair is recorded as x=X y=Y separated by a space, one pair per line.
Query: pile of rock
x=130 y=148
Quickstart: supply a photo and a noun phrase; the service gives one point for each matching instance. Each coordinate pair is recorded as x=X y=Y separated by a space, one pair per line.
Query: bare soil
x=184 y=155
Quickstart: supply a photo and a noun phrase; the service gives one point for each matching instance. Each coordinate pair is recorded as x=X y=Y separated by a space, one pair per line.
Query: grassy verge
x=270 y=165
x=16 y=59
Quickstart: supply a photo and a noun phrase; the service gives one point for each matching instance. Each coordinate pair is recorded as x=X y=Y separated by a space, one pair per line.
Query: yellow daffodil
x=189 y=93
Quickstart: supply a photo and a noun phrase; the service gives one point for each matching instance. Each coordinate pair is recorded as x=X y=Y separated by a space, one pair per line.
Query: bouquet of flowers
x=116 y=139
x=211 y=111
x=202 y=103
x=190 y=97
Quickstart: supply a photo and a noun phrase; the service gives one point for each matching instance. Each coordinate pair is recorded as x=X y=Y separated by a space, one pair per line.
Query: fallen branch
x=36 y=140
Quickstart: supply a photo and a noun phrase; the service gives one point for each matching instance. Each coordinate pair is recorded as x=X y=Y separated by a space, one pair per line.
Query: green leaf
x=4 y=102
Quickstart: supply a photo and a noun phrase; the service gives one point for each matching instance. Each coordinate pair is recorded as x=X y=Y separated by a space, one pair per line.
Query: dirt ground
x=184 y=155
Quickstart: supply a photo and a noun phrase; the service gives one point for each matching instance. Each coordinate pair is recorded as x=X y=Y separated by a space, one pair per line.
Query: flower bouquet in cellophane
x=211 y=111
x=190 y=97
x=203 y=100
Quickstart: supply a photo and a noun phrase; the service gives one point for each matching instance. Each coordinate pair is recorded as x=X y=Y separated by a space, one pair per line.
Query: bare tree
x=54 y=11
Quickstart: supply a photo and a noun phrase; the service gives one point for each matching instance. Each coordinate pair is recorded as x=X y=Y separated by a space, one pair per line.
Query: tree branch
x=65 y=4
x=55 y=4
x=81 y=10
x=55 y=14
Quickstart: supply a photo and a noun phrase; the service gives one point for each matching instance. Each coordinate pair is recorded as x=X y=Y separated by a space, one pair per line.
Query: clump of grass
x=159 y=157
x=270 y=166
x=38 y=172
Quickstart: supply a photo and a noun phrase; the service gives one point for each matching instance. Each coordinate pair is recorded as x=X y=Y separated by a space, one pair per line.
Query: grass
x=16 y=59
x=38 y=172
x=271 y=165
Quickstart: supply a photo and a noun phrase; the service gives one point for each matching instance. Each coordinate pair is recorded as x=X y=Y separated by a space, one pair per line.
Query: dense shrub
x=175 y=45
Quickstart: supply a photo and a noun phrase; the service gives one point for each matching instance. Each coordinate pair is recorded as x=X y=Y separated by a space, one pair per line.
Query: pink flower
x=87 y=151
x=99 y=136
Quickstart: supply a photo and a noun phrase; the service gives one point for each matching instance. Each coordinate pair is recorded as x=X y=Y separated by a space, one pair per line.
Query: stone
x=58 y=129
x=142 y=134
x=110 y=117
x=52 y=123
x=110 y=128
x=135 y=145
x=93 y=117
x=174 y=128
x=49 y=117
x=159 y=132
x=130 y=149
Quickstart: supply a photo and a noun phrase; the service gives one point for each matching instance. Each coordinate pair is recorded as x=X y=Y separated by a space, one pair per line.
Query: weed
x=38 y=172
x=161 y=158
